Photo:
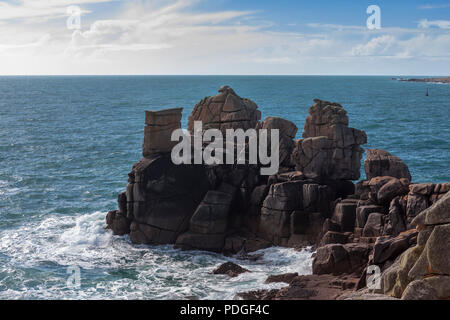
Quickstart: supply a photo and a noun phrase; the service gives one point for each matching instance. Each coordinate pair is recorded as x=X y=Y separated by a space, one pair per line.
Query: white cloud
x=379 y=46
x=30 y=9
x=442 y=24
x=157 y=37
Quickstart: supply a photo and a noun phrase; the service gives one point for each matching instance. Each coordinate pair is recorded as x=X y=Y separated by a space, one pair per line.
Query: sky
x=224 y=37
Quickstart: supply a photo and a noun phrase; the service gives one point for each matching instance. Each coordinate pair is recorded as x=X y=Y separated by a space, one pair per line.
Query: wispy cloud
x=173 y=37
x=29 y=9
x=442 y=24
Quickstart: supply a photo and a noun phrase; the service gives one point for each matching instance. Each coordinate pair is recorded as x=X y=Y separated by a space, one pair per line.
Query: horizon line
x=220 y=75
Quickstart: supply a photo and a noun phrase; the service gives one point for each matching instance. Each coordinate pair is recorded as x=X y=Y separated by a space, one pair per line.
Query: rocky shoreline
x=385 y=223
x=445 y=80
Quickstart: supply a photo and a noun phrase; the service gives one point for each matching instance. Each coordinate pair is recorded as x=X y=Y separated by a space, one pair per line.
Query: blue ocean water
x=68 y=143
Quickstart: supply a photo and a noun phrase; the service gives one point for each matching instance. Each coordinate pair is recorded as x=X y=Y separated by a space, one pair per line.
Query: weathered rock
x=363 y=212
x=438 y=213
x=341 y=259
x=389 y=248
x=299 y=222
x=287 y=132
x=374 y=225
x=198 y=241
x=381 y=163
x=416 y=203
x=211 y=216
x=229 y=268
x=162 y=197
x=419 y=290
x=309 y=287
x=392 y=189
x=364 y=295
x=281 y=201
x=330 y=148
x=335 y=237
x=330 y=225
x=362 y=189
x=411 y=276
x=225 y=111
x=436 y=253
x=286 y=277
x=118 y=223
x=345 y=215
x=158 y=131
x=395 y=221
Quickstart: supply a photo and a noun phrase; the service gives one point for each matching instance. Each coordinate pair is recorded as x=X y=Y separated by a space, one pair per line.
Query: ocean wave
x=35 y=258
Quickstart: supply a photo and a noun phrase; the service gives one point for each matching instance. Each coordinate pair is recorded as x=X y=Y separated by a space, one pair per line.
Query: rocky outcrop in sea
x=384 y=221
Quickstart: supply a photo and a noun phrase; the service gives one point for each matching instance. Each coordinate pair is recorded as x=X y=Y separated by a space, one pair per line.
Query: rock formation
x=225 y=111
x=330 y=149
x=231 y=208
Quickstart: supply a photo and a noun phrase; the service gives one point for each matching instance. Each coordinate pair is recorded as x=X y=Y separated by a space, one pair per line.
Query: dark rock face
x=118 y=223
x=225 y=111
x=229 y=268
x=382 y=163
x=161 y=198
x=330 y=148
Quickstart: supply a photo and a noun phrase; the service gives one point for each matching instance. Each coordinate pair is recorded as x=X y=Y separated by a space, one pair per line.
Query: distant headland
x=434 y=80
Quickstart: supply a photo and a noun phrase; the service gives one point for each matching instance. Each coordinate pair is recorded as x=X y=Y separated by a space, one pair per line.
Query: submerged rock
x=229 y=268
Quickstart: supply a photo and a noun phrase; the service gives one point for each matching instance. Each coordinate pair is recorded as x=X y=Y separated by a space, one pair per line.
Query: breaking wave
x=35 y=260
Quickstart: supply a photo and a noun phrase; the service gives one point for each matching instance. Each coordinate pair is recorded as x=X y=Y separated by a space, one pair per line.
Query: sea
x=67 y=144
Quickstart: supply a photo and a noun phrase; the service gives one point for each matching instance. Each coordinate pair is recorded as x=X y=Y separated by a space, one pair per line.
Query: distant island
x=434 y=80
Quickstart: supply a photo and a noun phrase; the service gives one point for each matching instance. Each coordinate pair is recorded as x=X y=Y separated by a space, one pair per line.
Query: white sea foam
x=36 y=257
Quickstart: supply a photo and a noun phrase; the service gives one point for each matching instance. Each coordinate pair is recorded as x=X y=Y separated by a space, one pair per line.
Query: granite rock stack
x=385 y=220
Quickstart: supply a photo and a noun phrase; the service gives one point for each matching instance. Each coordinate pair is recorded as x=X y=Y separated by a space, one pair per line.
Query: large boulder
x=158 y=131
x=330 y=149
x=225 y=111
x=381 y=163
x=339 y=259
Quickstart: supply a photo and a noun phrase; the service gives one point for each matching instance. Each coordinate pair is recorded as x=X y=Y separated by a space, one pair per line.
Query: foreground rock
x=310 y=287
x=229 y=268
x=423 y=271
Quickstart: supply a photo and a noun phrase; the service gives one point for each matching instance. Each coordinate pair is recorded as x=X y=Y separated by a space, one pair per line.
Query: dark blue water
x=68 y=143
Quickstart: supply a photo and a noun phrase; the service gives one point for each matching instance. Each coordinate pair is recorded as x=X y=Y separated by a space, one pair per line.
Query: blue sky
x=224 y=37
